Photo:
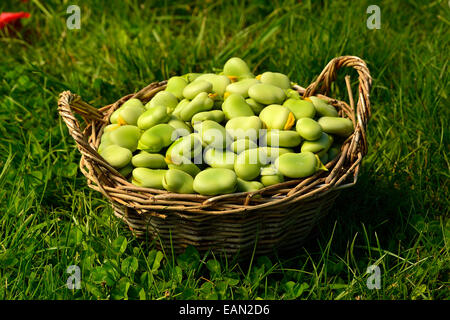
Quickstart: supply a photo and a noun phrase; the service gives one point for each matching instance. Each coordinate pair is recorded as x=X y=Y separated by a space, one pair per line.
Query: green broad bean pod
x=216 y=158
x=276 y=116
x=130 y=111
x=219 y=82
x=342 y=127
x=248 y=186
x=282 y=138
x=118 y=157
x=323 y=108
x=163 y=98
x=178 y=181
x=244 y=127
x=176 y=85
x=266 y=93
x=249 y=162
x=237 y=68
x=297 y=165
x=241 y=145
x=149 y=160
x=126 y=136
x=196 y=87
x=148 y=178
x=208 y=183
x=156 y=138
x=300 y=108
x=235 y=106
x=153 y=116
x=308 y=129
x=323 y=143
x=241 y=87
x=277 y=79
x=201 y=102
x=214 y=115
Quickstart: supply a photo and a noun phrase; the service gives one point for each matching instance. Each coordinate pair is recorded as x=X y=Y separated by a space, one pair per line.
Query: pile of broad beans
x=221 y=133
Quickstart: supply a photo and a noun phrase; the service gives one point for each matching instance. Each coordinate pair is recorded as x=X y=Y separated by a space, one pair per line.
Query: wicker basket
x=238 y=224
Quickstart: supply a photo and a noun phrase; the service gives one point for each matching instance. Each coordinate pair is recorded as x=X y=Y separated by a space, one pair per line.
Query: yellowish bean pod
x=237 y=68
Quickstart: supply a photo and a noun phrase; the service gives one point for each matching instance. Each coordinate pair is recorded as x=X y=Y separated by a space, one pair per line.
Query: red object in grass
x=10 y=17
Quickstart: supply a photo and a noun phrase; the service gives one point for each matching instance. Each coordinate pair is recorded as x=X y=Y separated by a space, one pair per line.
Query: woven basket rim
x=107 y=180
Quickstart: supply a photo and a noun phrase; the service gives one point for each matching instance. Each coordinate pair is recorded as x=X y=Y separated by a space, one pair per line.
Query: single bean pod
x=255 y=106
x=282 y=138
x=214 y=115
x=118 y=157
x=237 y=68
x=163 y=98
x=241 y=87
x=196 y=87
x=145 y=159
x=342 y=127
x=297 y=165
x=176 y=85
x=276 y=79
x=278 y=117
x=271 y=176
x=219 y=159
x=179 y=107
x=178 y=181
x=323 y=108
x=219 y=82
x=235 y=106
x=126 y=136
x=309 y=129
x=248 y=186
x=184 y=149
x=213 y=134
x=300 y=108
x=156 y=138
x=201 y=102
x=182 y=128
x=248 y=163
x=190 y=168
x=323 y=143
x=153 y=116
x=266 y=93
x=130 y=111
x=148 y=178
x=241 y=145
x=244 y=127
x=215 y=181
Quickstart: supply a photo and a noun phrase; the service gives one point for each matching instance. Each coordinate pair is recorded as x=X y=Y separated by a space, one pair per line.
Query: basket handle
x=329 y=75
x=68 y=103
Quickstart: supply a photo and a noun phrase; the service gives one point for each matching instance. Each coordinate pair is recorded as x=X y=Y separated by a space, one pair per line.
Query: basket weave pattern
x=279 y=216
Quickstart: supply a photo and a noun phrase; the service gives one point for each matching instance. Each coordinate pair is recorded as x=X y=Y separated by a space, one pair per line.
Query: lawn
x=396 y=217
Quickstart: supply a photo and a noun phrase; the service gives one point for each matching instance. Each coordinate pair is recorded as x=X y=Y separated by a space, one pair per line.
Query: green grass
x=396 y=217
